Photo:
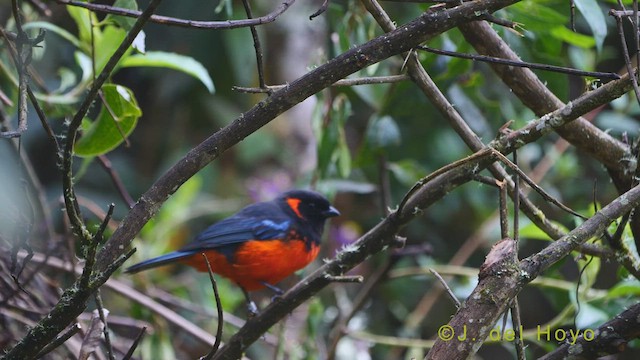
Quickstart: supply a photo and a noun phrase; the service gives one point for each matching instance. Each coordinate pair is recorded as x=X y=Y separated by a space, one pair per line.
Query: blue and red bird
x=261 y=244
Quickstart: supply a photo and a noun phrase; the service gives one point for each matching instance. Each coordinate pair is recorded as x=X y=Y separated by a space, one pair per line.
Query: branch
x=524 y=64
x=501 y=278
x=610 y=338
x=192 y=24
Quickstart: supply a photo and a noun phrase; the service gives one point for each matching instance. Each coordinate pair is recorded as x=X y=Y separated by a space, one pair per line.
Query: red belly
x=258 y=261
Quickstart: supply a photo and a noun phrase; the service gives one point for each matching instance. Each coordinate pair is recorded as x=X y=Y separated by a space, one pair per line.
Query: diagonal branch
x=501 y=278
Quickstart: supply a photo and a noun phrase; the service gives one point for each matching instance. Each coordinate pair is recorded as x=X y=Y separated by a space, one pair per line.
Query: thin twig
x=524 y=64
x=105 y=329
x=218 y=341
x=193 y=24
x=345 y=278
x=504 y=213
x=373 y=80
x=22 y=60
x=134 y=346
x=516 y=323
x=447 y=288
x=538 y=189
x=322 y=9
x=627 y=59
x=74 y=329
x=385 y=187
x=256 y=46
x=516 y=200
x=117 y=182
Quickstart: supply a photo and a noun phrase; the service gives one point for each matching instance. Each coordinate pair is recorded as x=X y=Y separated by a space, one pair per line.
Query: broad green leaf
x=531 y=231
x=124 y=21
x=407 y=171
x=594 y=17
x=625 y=288
x=186 y=64
x=536 y=17
x=67 y=79
x=106 y=133
x=564 y=34
x=84 y=20
x=333 y=152
x=110 y=40
x=85 y=65
x=343 y=154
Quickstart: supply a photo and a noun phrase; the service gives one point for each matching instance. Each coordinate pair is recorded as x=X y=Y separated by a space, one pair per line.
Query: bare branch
x=524 y=64
x=193 y=24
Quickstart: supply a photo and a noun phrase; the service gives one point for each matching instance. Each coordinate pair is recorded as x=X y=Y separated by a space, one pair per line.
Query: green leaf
x=83 y=19
x=564 y=34
x=186 y=64
x=625 y=288
x=344 y=155
x=124 y=21
x=110 y=40
x=594 y=17
x=85 y=65
x=106 y=133
x=531 y=231
x=333 y=152
x=407 y=171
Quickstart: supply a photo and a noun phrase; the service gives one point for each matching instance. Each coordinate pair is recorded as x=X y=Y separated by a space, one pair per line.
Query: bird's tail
x=158 y=261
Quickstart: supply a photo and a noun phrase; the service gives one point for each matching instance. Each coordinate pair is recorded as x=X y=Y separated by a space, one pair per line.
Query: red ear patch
x=294 y=204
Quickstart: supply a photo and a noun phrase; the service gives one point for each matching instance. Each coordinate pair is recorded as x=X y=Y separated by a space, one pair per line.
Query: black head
x=308 y=206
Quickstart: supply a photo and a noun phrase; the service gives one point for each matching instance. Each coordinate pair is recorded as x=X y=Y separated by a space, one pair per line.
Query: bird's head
x=309 y=206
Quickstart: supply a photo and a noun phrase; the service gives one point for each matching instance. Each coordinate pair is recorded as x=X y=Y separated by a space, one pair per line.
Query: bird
x=258 y=246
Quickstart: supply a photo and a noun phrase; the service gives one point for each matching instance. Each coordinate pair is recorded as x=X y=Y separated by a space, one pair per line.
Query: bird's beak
x=331 y=212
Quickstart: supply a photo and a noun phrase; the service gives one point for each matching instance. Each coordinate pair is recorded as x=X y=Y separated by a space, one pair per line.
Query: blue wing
x=262 y=221
x=256 y=222
x=228 y=233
